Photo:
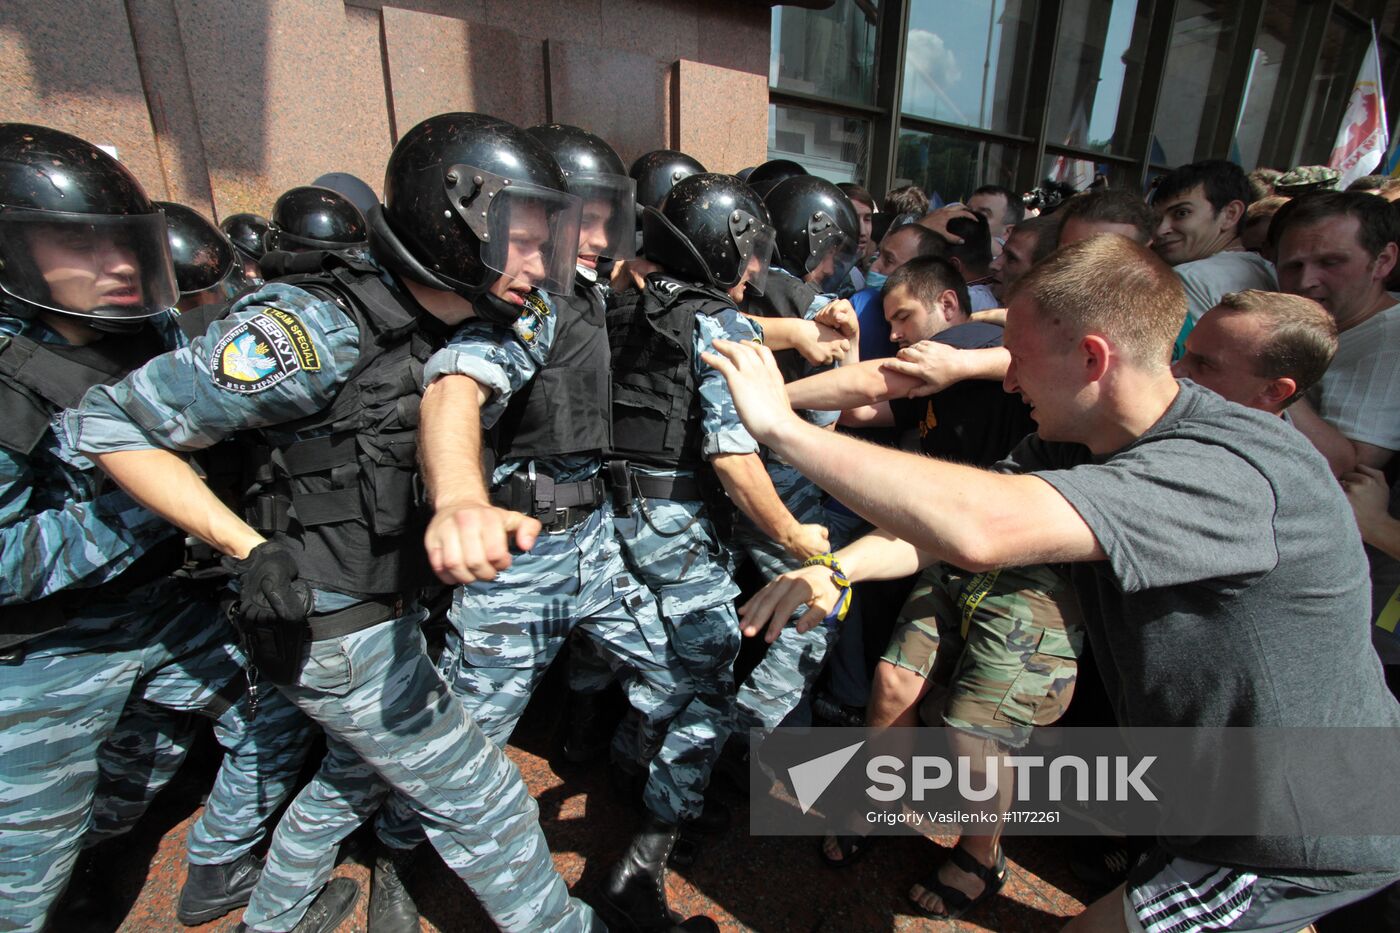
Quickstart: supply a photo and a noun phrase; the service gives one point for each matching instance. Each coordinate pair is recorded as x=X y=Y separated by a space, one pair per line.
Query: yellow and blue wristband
x=839 y=579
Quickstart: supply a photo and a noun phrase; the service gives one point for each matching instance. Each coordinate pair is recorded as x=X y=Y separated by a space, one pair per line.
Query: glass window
x=829 y=53
x=966 y=61
x=1098 y=70
x=952 y=168
x=1079 y=172
x=830 y=146
x=1266 y=70
x=1189 y=108
x=1390 y=84
x=1343 y=46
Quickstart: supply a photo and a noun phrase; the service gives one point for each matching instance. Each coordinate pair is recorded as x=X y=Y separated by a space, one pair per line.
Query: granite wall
x=223 y=104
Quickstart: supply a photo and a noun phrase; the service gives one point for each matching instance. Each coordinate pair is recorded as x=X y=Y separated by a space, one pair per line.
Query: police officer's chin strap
x=389 y=251
x=589 y=276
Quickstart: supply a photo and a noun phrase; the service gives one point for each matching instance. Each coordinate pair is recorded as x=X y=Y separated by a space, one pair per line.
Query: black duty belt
x=621 y=477
x=557 y=505
x=356 y=618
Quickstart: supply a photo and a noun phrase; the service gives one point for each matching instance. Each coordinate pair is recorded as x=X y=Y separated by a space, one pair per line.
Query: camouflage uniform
x=781 y=680
x=374 y=691
x=504 y=633
x=96 y=712
x=1001 y=648
x=673 y=546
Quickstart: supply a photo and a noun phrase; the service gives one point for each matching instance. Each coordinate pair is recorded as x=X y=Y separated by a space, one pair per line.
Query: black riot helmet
x=356 y=189
x=247 y=232
x=766 y=177
x=816 y=230
x=658 y=171
x=711 y=229
x=469 y=198
x=205 y=260
x=594 y=172
x=309 y=218
x=78 y=235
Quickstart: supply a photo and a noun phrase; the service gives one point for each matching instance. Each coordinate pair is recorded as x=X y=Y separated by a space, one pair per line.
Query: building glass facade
x=953 y=94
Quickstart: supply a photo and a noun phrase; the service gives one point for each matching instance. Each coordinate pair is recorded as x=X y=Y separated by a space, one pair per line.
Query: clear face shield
x=754 y=240
x=528 y=234
x=831 y=253
x=607 y=228
x=103 y=266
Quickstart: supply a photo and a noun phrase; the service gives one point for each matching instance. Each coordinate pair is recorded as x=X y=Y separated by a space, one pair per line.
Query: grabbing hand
x=820 y=344
x=1369 y=496
x=756 y=385
x=839 y=315
x=935 y=363
x=771 y=607
x=805 y=541
x=268 y=588
x=472 y=542
x=937 y=221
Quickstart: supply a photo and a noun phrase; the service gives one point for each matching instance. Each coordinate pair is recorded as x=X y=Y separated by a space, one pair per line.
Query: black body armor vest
x=565 y=408
x=656 y=403
x=38 y=380
x=339 y=488
x=785 y=295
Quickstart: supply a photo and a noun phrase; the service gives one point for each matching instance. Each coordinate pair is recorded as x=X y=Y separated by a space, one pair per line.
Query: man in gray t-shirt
x=1220 y=572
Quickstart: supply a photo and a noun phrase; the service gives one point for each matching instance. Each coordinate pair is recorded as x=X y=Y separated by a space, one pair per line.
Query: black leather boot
x=391 y=907
x=210 y=891
x=634 y=898
x=328 y=911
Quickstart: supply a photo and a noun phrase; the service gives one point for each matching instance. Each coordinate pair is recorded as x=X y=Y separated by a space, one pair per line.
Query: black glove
x=269 y=590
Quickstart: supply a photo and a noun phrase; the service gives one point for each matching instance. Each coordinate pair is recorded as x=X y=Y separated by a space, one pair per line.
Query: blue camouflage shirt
x=63 y=524
x=503 y=360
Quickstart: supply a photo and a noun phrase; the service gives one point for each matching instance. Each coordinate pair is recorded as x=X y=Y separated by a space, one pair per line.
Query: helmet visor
x=757 y=249
x=832 y=260
x=103 y=266
x=608 y=223
x=532 y=237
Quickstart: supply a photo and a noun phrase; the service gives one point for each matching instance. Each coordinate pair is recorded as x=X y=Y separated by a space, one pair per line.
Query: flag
x=1361 y=141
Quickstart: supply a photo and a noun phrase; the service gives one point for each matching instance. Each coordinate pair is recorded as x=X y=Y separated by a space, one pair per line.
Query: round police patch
x=262 y=351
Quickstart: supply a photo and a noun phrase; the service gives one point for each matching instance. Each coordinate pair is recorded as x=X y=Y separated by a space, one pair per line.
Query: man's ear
x=1230 y=215
x=1385 y=261
x=1278 y=392
x=948 y=304
x=1096 y=353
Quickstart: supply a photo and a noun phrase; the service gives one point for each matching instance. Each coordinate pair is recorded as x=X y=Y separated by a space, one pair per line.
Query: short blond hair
x=1301 y=336
x=1110 y=285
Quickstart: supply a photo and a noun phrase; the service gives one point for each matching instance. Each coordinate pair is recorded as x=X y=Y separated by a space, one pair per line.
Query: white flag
x=1362 y=138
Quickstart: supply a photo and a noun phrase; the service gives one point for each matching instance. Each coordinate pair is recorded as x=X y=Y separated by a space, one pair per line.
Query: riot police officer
x=328 y=560
x=207 y=267
x=678 y=449
x=92 y=623
x=247 y=232
x=310 y=219
x=657 y=172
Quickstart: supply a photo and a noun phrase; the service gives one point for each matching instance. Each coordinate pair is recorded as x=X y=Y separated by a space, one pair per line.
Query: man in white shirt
x=1201 y=210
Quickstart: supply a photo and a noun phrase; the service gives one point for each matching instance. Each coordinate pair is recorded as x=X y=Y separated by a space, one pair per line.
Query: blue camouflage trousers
x=94 y=719
x=673 y=548
x=392 y=725
x=781 y=680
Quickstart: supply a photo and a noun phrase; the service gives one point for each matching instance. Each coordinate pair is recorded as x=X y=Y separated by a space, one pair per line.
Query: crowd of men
x=355 y=475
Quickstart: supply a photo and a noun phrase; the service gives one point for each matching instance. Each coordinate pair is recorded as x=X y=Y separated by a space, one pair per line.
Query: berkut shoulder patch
x=527 y=326
x=262 y=351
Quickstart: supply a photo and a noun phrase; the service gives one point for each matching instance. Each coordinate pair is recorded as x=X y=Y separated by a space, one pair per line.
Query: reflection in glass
x=1197 y=65
x=830 y=146
x=1069 y=170
x=1343 y=46
x=952 y=168
x=966 y=61
x=1097 y=72
x=829 y=53
x=1266 y=69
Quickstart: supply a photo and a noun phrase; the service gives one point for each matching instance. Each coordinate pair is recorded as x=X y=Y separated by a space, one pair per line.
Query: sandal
x=955 y=902
x=853 y=849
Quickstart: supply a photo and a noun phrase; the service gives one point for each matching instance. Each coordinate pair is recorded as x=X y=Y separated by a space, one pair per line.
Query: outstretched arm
x=746 y=481
x=974 y=518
